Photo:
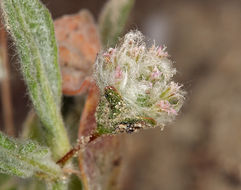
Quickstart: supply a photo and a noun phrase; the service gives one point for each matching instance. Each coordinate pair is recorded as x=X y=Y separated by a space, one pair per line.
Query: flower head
x=141 y=77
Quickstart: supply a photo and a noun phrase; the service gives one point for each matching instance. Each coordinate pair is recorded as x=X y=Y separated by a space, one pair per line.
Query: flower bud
x=136 y=87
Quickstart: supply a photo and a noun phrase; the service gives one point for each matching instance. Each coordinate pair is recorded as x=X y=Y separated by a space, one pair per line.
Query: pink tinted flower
x=118 y=72
x=174 y=87
x=166 y=107
x=142 y=76
x=109 y=52
x=155 y=73
x=150 y=85
x=161 y=52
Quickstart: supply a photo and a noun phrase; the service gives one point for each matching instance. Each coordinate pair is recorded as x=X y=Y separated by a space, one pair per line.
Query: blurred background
x=201 y=149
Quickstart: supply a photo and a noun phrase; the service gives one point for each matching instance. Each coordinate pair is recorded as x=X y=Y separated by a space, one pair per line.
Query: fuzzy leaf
x=14 y=183
x=26 y=158
x=31 y=27
x=32 y=129
x=112 y=20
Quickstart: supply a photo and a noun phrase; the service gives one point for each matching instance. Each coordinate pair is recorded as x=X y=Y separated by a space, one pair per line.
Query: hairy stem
x=76 y=149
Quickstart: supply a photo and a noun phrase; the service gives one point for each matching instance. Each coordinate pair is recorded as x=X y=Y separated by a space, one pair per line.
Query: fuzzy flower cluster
x=142 y=77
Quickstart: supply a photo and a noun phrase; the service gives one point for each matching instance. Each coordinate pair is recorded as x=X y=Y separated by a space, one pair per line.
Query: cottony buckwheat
x=136 y=86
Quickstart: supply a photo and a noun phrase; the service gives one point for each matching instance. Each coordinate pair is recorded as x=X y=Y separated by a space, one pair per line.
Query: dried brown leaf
x=78 y=42
x=101 y=159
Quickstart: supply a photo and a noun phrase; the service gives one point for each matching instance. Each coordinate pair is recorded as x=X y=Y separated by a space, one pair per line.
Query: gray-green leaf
x=113 y=19
x=31 y=27
x=26 y=158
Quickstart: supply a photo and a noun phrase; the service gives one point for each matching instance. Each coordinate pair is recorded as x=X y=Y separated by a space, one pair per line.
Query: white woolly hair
x=142 y=76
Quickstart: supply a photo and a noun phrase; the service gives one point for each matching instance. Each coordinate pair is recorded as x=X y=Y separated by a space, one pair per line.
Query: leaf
x=26 y=158
x=33 y=184
x=7 y=182
x=79 y=43
x=14 y=183
x=87 y=122
x=31 y=27
x=32 y=129
x=100 y=161
x=100 y=164
x=113 y=19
